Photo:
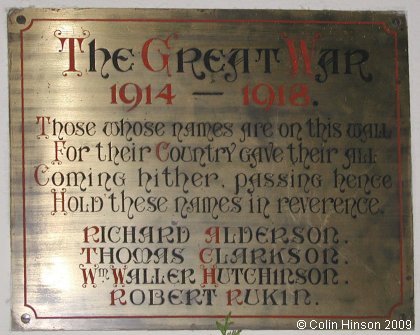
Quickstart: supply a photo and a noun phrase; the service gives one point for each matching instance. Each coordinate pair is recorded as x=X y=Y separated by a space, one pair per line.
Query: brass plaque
x=169 y=167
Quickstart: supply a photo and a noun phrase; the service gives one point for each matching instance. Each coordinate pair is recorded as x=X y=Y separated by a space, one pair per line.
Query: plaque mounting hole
x=21 y=19
x=26 y=318
x=396 y=22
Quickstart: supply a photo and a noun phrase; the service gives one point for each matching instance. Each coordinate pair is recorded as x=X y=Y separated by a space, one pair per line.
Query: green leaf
x=220 y=327
x=223 y=328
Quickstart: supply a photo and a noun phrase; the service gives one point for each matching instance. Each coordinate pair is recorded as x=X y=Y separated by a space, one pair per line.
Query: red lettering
x=58 y=200
x=36 y=174
x=72 y=49
x=233 y=295
x=58 y=151
x=304 y=50
x=116 y=296
x=96 y=230
x=213 y=233
x=42 y=118
x=164 y=57
x=164 y=146
x=88 y=254
x=209 y=273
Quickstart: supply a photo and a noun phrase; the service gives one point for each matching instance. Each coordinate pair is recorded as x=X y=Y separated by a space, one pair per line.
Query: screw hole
x=21 y=19
x=26 y=318
x=396 y=22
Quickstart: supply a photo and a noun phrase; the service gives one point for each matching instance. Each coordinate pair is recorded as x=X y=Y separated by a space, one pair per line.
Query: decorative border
x=386 y=29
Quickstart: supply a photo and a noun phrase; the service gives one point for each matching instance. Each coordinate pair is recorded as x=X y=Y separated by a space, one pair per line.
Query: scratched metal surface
x=367 y=274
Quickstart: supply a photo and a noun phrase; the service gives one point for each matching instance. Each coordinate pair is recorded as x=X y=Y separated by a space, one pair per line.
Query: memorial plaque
x=169 y=167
